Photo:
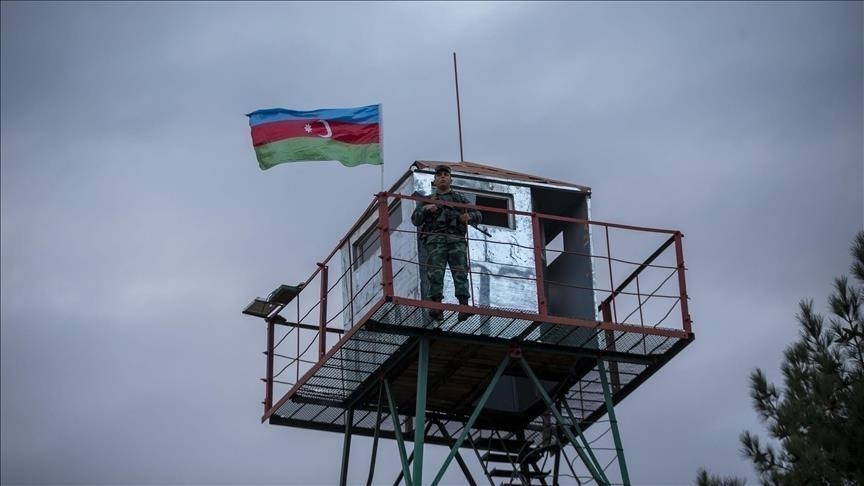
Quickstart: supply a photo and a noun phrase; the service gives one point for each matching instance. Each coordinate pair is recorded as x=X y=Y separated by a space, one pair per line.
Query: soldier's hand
x=465 y=218
x=430 y=208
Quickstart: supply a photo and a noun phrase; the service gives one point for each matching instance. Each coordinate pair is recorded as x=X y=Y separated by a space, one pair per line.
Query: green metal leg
x=420 y=411
x=570 y=466
x=459 y=460
x=465 y=431
x=400 y=442
x=585 y=443
x=410 y=458
x=557 y=467
x=375 y=438
x=346 y=446
x=610 y=409
x=596 y=473
x=480 y=460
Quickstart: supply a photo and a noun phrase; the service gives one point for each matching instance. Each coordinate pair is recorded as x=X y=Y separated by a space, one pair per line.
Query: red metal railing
x=634 y=292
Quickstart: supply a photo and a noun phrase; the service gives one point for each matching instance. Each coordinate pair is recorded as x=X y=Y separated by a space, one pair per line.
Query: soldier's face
x=442 y=181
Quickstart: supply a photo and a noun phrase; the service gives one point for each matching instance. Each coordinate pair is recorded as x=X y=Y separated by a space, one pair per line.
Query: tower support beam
x=346 y=446
x=467 y=429
x=613 y=422
x=420 y=409
x=459 y=460
x=585 y=444
x=375 y=439
x=557 y=466
x=410 y=458
x=397 y=431
x=596 y=473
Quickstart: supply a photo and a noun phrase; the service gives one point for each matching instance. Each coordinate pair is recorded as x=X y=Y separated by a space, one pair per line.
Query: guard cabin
x=569 y=316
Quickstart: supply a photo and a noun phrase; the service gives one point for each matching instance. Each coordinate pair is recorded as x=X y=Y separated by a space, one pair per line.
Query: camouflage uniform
x=444 y=237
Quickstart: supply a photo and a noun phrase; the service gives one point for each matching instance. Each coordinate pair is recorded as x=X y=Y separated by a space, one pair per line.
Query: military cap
x=442 y=168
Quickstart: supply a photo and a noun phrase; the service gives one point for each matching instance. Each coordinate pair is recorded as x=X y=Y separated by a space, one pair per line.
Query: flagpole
x=458 y=109
x=381 y=140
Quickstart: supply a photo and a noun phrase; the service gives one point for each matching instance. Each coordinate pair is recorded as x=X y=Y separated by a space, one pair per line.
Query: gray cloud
x=135 y=223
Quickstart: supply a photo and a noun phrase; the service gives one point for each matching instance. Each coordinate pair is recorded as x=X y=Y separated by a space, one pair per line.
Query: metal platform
x=463 y=355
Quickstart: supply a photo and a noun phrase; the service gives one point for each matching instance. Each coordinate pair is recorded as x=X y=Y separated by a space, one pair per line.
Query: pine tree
x=703 y=478
x=817 y=420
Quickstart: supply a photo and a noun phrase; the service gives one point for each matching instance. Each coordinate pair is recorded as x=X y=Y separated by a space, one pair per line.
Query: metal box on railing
x=503 y=264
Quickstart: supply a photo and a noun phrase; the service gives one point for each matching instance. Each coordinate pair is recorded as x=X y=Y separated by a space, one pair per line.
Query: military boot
x=463 y=315
x=436 y=314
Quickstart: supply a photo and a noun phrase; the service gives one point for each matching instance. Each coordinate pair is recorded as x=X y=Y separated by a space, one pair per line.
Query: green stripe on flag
x=316 y=149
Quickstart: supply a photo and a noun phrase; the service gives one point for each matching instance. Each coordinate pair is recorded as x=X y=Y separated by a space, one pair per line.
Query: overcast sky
x=136 y=224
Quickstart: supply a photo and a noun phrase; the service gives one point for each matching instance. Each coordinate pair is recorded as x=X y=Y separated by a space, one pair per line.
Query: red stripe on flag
x=357 y=133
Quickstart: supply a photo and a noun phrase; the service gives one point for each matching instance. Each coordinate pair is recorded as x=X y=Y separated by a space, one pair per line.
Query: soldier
x=442 y=231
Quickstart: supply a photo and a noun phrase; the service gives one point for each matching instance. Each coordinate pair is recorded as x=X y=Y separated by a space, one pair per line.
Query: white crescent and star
x=329 y=134
x=327 y=126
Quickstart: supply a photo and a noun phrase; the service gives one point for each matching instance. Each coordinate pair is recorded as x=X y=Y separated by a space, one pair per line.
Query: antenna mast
x=458 y=109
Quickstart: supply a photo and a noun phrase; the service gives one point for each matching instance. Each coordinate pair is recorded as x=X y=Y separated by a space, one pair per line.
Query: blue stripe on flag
x=363 y=114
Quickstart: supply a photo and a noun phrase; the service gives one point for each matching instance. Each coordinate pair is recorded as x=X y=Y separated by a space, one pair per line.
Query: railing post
x=606 y=311
x=682 y=285
x=322 y=322
x=611 y=282
x=384 y=235
x=268 y=382
x=542 y=308
x=297 y=363
x=610 y=344
x=351 y=290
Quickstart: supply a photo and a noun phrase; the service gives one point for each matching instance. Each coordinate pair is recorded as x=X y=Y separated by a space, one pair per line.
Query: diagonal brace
x=585 y=444
x=411 y=456
x=467 y=429
x=459 y=460
x=613 y=422
x=398 y=432
x=375 y=439
x=596 y=473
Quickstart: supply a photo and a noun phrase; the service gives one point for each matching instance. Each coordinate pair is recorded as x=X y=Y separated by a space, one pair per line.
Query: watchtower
x=569 y=315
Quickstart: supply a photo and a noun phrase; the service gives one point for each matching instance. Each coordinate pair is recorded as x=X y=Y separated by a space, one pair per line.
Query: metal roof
x=487 y=170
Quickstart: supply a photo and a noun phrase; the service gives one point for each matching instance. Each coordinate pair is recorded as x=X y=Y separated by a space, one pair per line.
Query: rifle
x=454 y=213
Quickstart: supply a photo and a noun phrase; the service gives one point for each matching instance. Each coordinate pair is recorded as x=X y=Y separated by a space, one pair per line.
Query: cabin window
x=493 y=200
x=369 y=244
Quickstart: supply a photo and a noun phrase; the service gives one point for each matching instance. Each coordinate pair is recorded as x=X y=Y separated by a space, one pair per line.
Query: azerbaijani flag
x=349 y=135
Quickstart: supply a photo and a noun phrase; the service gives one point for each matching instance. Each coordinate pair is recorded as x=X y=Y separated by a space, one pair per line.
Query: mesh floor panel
x=354 y=369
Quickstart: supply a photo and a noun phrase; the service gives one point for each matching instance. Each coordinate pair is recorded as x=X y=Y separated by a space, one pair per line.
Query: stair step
x=499 y=445
x=527 y=456
x=499 y=457
x=534 y=454
x=506 y=473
